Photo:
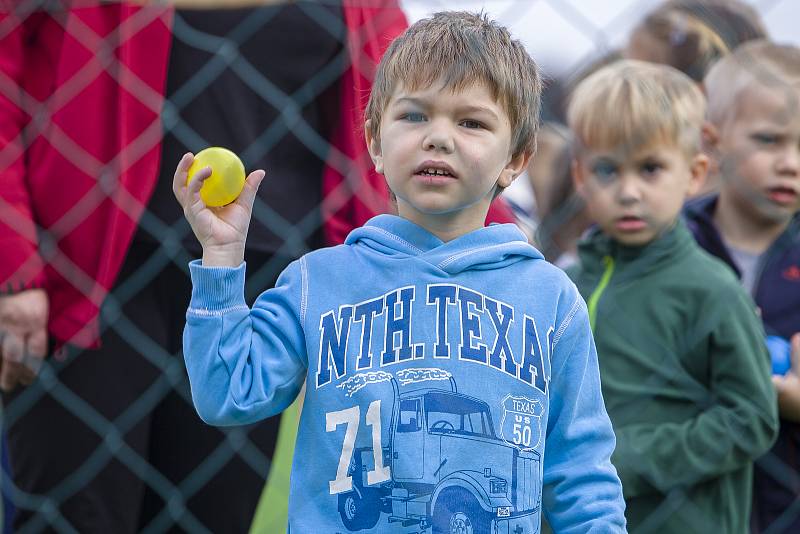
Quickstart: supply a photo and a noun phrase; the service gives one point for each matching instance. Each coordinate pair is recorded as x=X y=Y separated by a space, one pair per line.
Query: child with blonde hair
x=684 y=369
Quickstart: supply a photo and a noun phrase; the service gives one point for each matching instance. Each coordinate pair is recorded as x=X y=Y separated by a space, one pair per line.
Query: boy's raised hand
x=788 y=385
x=221 y=231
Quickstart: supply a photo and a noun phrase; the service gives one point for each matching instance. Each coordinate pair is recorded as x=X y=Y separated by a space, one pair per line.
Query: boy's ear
x=699 y=171
x=374 y=147
x=514 y=168
x=578 y=179
x=710 y=144
x=710 y=136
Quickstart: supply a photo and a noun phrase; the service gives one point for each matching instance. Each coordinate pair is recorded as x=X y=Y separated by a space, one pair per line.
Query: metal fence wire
x=278 y=107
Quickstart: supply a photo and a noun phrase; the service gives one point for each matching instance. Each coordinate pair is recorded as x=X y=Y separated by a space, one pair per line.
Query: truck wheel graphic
x=457 y=512
x=359 y=513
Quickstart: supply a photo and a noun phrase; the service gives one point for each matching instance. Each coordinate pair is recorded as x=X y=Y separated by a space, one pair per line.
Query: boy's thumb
x=258 y=177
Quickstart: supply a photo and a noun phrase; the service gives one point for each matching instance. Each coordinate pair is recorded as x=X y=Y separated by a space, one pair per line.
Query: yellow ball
x=227 y=175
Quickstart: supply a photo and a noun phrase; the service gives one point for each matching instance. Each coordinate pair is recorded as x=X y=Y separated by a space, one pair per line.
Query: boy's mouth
x=783 y=195
x=630 y=223
x=435 y=171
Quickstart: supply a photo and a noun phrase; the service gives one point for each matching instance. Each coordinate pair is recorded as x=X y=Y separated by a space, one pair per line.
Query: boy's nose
x=628 y=192
x=789 y=163
x=438 y=138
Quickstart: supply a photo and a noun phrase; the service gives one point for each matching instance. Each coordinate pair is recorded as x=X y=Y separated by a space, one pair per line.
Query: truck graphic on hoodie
x=430 y=485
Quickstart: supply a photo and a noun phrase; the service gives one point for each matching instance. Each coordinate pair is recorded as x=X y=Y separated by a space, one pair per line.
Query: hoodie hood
x=491 y=247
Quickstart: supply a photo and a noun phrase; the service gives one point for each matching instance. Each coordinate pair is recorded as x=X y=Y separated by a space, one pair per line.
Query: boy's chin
x=769 y=212
x=632 y=239
x=781 y=214
x=444 y=208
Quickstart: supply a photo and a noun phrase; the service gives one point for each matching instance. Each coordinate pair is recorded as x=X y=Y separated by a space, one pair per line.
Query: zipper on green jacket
x=594 y=298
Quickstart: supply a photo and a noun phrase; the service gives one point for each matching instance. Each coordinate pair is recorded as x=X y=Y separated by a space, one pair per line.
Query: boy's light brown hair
x=631 y=105
x=459 y=49
x=764 y=63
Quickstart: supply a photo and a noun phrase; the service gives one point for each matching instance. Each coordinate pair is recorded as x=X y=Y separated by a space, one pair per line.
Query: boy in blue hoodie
x=451 y=377
x=752 y=224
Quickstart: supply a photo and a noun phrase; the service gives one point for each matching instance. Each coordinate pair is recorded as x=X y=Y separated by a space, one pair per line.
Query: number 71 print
x=351 y=417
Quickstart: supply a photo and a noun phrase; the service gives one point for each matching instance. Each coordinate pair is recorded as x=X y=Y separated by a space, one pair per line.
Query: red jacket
x=80 y=132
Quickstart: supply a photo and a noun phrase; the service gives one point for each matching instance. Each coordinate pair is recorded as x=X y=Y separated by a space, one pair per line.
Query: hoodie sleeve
x=244 y=364
x=582 y=492
x=739 y=424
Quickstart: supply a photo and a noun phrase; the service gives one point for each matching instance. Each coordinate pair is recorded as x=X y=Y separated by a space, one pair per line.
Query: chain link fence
x=84 y=102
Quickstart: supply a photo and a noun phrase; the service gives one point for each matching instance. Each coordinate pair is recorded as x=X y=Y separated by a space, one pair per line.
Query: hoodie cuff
x=216 y=290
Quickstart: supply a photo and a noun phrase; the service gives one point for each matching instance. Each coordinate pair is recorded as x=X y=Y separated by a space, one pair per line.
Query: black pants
x=108 y=441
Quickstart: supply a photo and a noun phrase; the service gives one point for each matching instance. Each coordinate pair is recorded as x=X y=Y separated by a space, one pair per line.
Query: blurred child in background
x=530 y=196
x=752 y=225
x=692 y=35
x=562 y=212
x=684 y=369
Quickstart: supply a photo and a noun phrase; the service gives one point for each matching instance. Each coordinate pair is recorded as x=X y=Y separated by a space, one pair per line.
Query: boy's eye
x=413 y=117
x=604 y=170
x=471 y=124
x=766 y=138
x=650 y=168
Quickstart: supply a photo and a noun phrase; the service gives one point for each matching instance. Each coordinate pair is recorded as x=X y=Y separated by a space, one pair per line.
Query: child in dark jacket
x=684 y=369
x=753 y=226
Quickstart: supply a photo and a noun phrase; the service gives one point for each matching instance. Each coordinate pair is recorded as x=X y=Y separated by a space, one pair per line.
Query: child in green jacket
x=685 y=373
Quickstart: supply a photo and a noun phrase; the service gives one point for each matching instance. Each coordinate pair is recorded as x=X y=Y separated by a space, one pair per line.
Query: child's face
x=759 y=153
x=634 y=198
x=443 y=154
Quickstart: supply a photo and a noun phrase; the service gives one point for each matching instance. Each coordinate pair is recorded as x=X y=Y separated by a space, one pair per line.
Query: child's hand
x=221 y=231
x=23 y=336
x=788 y=385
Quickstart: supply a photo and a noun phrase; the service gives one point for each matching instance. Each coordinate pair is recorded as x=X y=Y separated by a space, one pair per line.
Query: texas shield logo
x=522 y=422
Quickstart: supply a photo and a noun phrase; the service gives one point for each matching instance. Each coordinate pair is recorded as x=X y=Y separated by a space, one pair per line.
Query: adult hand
x=23 y=337
x=221 y=231
x=788 y=385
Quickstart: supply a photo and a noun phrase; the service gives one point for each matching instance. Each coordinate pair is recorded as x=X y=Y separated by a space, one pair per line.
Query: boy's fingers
x=179 y=179
x=251 y=185
x=193 y=189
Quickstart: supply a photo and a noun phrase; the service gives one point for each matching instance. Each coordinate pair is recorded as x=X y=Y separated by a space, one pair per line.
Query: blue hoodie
x=446 y=383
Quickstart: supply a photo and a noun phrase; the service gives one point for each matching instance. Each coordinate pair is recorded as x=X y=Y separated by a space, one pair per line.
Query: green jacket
x=685 y=377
